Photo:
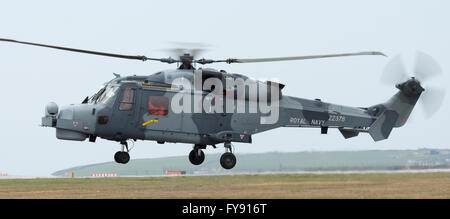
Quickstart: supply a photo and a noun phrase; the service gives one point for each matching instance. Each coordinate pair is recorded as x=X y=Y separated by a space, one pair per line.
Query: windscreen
x=108 y=96
x=94 y=98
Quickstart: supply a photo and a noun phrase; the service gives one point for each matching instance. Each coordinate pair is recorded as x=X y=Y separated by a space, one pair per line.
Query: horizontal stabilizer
x=382 y=127
x=348 y=133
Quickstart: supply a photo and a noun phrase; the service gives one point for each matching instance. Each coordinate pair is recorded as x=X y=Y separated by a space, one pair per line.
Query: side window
x=158 y=105
x=126 y=103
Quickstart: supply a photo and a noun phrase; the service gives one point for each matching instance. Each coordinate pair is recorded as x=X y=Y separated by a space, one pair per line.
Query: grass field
x=403 y=185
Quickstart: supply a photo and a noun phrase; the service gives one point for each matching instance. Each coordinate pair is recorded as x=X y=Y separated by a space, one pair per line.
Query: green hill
x=276 y=162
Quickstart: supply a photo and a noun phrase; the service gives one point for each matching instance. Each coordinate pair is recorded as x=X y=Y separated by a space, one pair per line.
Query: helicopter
x=131 y=108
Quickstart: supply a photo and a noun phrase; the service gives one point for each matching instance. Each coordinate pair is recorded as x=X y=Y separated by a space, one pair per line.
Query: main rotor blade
x=142 y=58
x=232 y=60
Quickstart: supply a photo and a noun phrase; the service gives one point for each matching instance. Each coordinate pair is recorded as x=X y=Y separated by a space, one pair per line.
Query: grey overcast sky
x=32 y=77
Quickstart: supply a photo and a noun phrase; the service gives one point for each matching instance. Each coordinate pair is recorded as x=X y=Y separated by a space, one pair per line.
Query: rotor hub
x=411 y=87
x=186 y=61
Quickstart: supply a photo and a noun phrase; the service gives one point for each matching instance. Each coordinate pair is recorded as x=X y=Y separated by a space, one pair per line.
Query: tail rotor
x=425 y=69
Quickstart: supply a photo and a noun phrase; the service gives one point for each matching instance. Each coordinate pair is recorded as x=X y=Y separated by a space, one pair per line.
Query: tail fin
x=382 y=127
x=396 y=111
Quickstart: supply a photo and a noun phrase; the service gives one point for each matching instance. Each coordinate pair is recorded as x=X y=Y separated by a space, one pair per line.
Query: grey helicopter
x=131 y=108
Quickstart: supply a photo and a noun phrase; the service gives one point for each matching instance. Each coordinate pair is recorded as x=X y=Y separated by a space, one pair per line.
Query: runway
x=251 y=173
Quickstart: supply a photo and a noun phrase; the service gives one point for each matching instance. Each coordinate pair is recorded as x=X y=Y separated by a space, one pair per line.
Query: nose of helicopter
x=51 y=108
x=51 y=112
x=73 y=122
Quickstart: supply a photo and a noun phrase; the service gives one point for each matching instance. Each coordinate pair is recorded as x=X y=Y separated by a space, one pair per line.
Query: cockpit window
x=108 y=96
x=127 y=99
x=94 y=98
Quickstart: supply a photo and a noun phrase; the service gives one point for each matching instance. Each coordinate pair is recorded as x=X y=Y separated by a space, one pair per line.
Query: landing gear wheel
x=228 y=160
x=122 y=157
x=196 y=157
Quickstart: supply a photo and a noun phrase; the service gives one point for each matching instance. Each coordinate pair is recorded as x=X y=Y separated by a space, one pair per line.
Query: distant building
x=175 y=172
x=434 y=152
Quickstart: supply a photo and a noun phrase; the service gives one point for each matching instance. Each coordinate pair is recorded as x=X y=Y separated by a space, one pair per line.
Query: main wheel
x=122 y=157
x=228 y=160
x=196 y=157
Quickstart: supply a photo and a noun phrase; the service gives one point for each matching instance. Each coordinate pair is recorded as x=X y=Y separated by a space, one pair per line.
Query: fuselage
x=138 y=107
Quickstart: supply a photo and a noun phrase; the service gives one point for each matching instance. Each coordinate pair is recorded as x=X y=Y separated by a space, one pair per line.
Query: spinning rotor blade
x=178 y=52
x=426 y=67
x=394 y=72
x=182 y=48
x=181 y=51
x=232 y=60
x=142 y=58
x=432 y=99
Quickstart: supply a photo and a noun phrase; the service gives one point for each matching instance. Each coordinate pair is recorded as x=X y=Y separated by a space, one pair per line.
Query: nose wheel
x=122 y=156
x=228 y=160
x=196 y=156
